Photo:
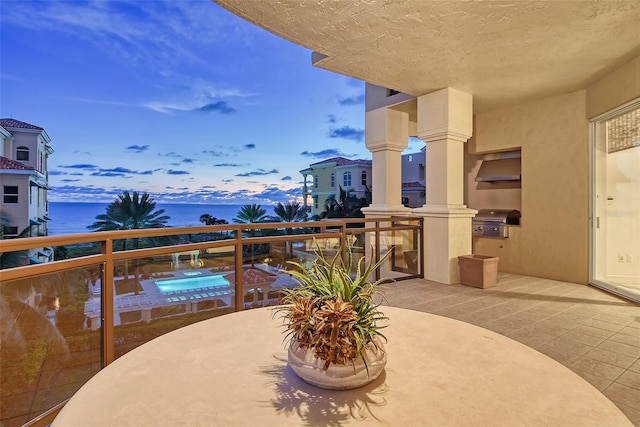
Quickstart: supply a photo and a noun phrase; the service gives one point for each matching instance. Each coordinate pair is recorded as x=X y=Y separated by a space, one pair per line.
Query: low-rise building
x=24 y=152
x=331 y=174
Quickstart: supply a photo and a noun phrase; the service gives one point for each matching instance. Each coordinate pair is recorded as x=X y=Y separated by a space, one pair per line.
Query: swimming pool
x=192 y=284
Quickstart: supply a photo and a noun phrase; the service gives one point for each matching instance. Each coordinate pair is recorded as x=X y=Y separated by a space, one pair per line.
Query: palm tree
x=251 y=214
x=130 y=212
x=346 y=206
x=289 y=212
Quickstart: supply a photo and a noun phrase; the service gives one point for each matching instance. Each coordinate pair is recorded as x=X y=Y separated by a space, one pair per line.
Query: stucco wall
x=553 y=133
x=18 y=214
x=615 y=89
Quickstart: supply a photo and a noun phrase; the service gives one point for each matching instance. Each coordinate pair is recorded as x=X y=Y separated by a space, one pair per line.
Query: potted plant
x=333 y=321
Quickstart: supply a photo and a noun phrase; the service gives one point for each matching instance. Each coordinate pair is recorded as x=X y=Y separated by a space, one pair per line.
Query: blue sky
x=180 y=99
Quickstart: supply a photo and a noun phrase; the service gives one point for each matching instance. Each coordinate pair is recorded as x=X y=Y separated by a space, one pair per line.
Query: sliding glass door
x=615 y=258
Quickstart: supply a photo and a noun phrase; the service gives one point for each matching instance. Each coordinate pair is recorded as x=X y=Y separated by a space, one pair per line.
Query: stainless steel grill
x=494 y=222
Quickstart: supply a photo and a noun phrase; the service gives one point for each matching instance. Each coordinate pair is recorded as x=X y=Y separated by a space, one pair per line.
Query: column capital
x=445 y=114
x=386 y=129
x=443 y=134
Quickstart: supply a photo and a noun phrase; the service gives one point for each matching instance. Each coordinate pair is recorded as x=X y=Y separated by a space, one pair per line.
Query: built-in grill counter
x=494 y=222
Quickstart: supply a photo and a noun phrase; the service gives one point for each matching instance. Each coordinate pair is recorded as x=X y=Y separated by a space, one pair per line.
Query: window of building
x=364 y=178
x=333 y=180
x=10 y=231
x=421 y=171
x=315 y=202
x=315 y=181
x=10 y=194
x=22 y=154
x=405 y=201
x=346 y=179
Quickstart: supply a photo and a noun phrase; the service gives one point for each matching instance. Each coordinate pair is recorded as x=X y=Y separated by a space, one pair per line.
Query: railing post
x=107 y=316
x=421 y=247
x=376 y=255
x=239 y=271
x=343 y=239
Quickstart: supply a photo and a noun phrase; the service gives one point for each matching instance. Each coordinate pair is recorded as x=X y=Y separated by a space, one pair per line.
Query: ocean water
x=73 y=218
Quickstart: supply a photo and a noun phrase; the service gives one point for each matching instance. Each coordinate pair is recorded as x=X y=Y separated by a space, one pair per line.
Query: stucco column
x=386 y=136
x=445 y=119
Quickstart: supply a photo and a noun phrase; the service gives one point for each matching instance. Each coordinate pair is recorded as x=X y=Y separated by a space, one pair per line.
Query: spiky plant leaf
x=332 y=312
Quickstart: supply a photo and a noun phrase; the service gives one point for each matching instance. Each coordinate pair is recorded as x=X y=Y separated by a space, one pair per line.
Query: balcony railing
x=110 y=292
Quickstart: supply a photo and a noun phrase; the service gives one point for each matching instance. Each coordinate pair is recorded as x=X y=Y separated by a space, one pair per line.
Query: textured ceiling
x=502 y=52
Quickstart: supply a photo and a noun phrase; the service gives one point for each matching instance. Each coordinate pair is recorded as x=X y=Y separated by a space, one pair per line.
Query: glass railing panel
x=48 y=348
x=76 y=251
x=145 y=306
x=156 y=295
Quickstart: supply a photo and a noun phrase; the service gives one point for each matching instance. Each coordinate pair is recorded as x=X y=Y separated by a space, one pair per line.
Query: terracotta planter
x=337 y=377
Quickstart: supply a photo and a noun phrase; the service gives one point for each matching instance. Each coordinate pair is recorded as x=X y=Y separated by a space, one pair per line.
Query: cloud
x=55 y=172
x=71 y=180
x=147 y=35
x=215 y=153
x=347 y=132
x=170 y=154
x=275 y=194
x=231 y=165
x=331 y=118
x=267 y=196
x=187 y=160
x=226 y=181
x=249 y=146
x=120 y=171
x=83 y=166
x=216 y=107
x=258 y=172
x=177 y=172
x=286 y=178
x=137 y=148
x=110 y=174
x=352 y=100
x=329 y=152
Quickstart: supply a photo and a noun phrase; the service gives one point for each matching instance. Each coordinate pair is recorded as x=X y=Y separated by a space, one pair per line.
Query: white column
x=387 y=136
x=445 y=122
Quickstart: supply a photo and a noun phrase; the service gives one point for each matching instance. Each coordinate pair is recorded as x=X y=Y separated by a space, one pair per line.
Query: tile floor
x=595 y=334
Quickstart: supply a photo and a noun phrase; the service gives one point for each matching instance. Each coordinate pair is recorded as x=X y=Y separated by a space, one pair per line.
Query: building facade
x=24 y=153
x=414 y=179
x=327 y=176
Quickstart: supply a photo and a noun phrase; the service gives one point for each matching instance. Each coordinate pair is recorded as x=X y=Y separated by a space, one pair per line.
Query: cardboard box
x=479 y=271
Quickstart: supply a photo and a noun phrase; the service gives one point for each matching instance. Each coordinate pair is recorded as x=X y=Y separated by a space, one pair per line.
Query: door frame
x=593 y=217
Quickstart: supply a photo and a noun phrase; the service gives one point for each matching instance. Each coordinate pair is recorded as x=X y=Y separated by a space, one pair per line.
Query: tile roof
x=412 y=185
x=12 y=164
x=13 y=123
x=252 y=276
x=341 y=161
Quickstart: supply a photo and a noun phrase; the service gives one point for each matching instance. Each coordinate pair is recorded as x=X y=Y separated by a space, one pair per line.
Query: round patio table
x=232 y=371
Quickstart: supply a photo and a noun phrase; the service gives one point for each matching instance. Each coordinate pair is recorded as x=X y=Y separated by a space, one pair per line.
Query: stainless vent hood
x=500 y=167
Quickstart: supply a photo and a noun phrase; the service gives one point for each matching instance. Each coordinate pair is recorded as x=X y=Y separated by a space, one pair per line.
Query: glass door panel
x=616 y=203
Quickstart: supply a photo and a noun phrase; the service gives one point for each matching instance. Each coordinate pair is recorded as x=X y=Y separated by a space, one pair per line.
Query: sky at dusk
x=180 y=99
